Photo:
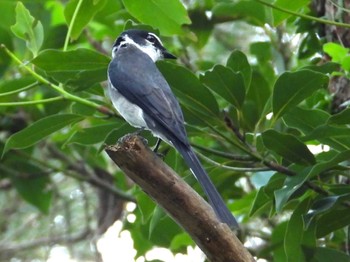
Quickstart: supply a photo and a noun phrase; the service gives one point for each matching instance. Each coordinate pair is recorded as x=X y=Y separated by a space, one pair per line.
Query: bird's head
x=146 y=41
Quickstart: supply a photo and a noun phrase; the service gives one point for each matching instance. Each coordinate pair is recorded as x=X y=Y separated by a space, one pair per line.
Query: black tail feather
x=213 y=195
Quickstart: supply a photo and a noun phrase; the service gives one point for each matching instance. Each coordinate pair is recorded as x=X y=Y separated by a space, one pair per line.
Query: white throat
x=154 y=53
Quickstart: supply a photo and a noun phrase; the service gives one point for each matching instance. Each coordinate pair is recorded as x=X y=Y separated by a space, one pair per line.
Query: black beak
x=166 y=54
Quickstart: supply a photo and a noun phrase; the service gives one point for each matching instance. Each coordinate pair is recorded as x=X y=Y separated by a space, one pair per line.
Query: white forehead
x=156 y=37
x=126 y=40
x=153 y=52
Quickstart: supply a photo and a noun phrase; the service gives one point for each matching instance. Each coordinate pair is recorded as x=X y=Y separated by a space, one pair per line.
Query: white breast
x=129 y=111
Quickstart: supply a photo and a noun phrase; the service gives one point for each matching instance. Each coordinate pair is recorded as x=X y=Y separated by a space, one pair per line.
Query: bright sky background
x=117 y=244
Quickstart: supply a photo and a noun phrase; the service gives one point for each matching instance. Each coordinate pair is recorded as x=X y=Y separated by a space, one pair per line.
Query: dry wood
x=179 y=200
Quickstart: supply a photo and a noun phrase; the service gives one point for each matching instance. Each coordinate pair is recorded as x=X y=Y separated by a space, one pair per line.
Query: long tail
x=214 y=197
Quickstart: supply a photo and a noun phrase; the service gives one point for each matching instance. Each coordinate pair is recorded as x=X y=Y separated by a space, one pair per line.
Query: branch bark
x=180 y=201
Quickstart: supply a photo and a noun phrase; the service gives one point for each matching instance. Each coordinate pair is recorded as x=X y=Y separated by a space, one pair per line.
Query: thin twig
x=229 y=123
x=87 y=176
x=238 y=169
x=33 y=102
x=57 y=88
x=30 y=86
x=238 y=158
x=308 y=17
x=71 y=24
x=11 y=248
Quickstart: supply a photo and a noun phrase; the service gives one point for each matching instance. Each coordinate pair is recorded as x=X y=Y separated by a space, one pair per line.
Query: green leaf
x=324 y=254
x=81 y=67
x=250 y=116
x=332 y=221
x=39 y=130
x=345 y=63
x=326 y=68
x=8 y=13
x=261 y=201
x=15 y=85
x=87 y=11
x=294 y=234
x=275 y=182
x=107 y=15
x=294 y=5
x=28 y=28
x=71 y=61
x=93 y=135
x=226 y=83
x=157 y=14
x=35 y=190
x=5 y=60
x=277 y=239
x=166 y=224
x=288 y=146
x=292 y=184
x=139 y=236
x=307 y=121
x=117 y=133
x=158 y=214
x=55 y=37
x=242 y=205
x=252 y=11
x=325 y=204
x=81 y=109
x=336 y=51
x=342 y=118
x=256 y=101
x=238 y=62
x=326 y=131
x=193 y=95
x=202 y=26
x=145 y=205
x=180 y=241
x=262 y=51
x=337 y=134
x=309 y=45
x=291 y=88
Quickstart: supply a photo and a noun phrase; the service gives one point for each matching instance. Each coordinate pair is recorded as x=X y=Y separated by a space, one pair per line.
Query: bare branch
x=14 y=248
x=180 y=201
x=86 y=175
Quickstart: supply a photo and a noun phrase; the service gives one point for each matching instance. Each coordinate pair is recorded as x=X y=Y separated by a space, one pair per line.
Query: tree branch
x=67 y=95
x=237 y=158
x=308 y=17
x=83 y=174
x=180 y=201
x=66 y=239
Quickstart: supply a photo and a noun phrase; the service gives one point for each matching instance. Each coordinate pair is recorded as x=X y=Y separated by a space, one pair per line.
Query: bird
x=142 y=96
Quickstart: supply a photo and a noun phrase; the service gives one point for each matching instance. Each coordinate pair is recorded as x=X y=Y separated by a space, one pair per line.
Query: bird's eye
x=151 y=39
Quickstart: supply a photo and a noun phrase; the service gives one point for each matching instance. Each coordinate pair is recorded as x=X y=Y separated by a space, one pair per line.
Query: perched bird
x=142 y=96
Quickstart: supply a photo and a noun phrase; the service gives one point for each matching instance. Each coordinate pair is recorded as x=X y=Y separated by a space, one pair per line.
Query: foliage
x=255 y=113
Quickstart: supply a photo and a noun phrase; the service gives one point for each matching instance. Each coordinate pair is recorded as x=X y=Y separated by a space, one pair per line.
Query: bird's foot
x=163 y=154
x=156 y=147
